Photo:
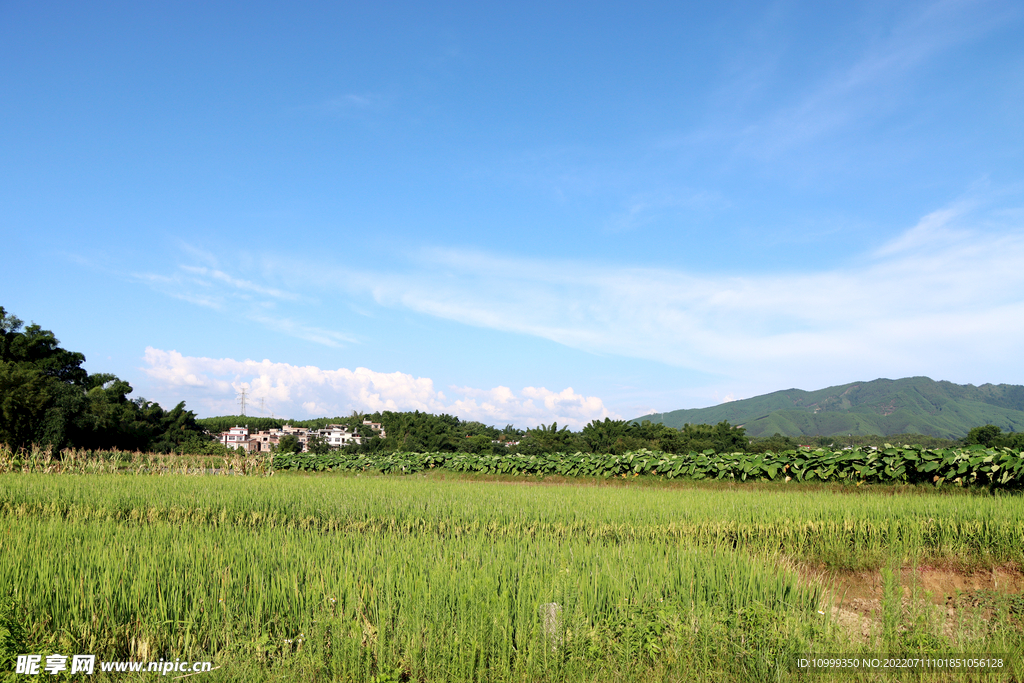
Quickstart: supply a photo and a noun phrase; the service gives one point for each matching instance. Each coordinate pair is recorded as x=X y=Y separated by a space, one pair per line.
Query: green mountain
x=916 y=405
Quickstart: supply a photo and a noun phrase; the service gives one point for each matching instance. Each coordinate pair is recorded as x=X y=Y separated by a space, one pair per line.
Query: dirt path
x=948 y=596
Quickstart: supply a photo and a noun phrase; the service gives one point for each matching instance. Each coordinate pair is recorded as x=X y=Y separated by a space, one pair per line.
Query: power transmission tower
x=261 y=406
x=241 y=399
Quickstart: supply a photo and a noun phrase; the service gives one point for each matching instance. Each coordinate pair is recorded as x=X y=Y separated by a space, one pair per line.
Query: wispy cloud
x=647 y=207
x=293 y=328
x=915 y=305
x=212 y=384
x=212 y=287
x=945 y=299
x=237 y=283
x=866 y=87
x=934 y=231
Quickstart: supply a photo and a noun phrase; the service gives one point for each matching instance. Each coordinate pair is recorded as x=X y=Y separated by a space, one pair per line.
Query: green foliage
x=318 y=445
x=289 y=443
x=547 y=439
x=201 y=444
x=12 y=633
x=420 y=431
x=23 y=400
x=880 y=407
x=448 y=580
x=1013 y=440
x=775 y=443
x=43 y=385
x=48 y=399
x=998 y=468
x=722 y=437
x=991 y=436
x=876 y=441
x=985 y=435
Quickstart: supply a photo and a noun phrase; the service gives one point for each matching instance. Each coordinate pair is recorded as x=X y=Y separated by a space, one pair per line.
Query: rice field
x=451 y=578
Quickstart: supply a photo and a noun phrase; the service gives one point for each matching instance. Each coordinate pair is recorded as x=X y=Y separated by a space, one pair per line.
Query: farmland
x=449 y=576
x=997 y=468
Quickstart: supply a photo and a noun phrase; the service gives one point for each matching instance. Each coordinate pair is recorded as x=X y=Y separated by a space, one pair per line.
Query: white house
x=377 y=427
x=339 y=436
x=235 y=437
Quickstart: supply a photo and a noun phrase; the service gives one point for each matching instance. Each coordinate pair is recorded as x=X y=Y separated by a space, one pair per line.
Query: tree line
x=425 y=432
x=48 y=399
x=418 y=432
x=993 y=436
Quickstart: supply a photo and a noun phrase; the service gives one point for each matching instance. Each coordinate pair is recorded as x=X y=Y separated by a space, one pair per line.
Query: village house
x=266 y=441
x=339 y=436
x=235 y=437
x=377 y=427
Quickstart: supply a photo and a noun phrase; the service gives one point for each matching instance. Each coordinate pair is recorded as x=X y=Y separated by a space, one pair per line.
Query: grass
x=840 y=527
x=449 y=578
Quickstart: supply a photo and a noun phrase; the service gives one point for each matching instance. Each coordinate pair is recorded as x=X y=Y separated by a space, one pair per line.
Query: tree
x=550 y=439
x=201 y=444
x=47 y=398
x=317 y=445
x=289 y=443
x=511 y=433
x=23 y=400
x=179 y=427
x=42 y=385
x=613 y=436
x=722 y=437
x=1011 y=440
x=985 y=435
x=775 y=443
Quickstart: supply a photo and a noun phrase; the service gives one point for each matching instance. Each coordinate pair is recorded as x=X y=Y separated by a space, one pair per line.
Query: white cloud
x=943 y=299
x=931 y=232
x=936 y=300
x=238 y=283
x=238 y=298
x=310 y=391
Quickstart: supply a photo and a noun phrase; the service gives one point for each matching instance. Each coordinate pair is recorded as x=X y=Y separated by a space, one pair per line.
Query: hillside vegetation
x=881 y=407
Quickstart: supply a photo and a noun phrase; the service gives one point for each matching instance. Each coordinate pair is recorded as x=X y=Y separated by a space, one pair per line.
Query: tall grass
x=462 y=607
x=36 y=460
x=854 y=530
x=390 y=579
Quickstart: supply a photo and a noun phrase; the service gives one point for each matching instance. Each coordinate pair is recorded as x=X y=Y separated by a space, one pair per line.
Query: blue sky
x=524 y=214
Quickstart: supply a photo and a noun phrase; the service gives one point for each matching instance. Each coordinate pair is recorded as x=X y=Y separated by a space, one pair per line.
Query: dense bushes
x=48 y=399
x=976 y=465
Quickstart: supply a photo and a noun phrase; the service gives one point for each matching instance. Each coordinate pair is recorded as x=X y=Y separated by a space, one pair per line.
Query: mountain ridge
x=879 y=407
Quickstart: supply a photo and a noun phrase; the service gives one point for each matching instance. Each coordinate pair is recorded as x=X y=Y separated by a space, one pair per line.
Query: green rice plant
x=367 y=605
x=410 y=578
x=848 y=528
